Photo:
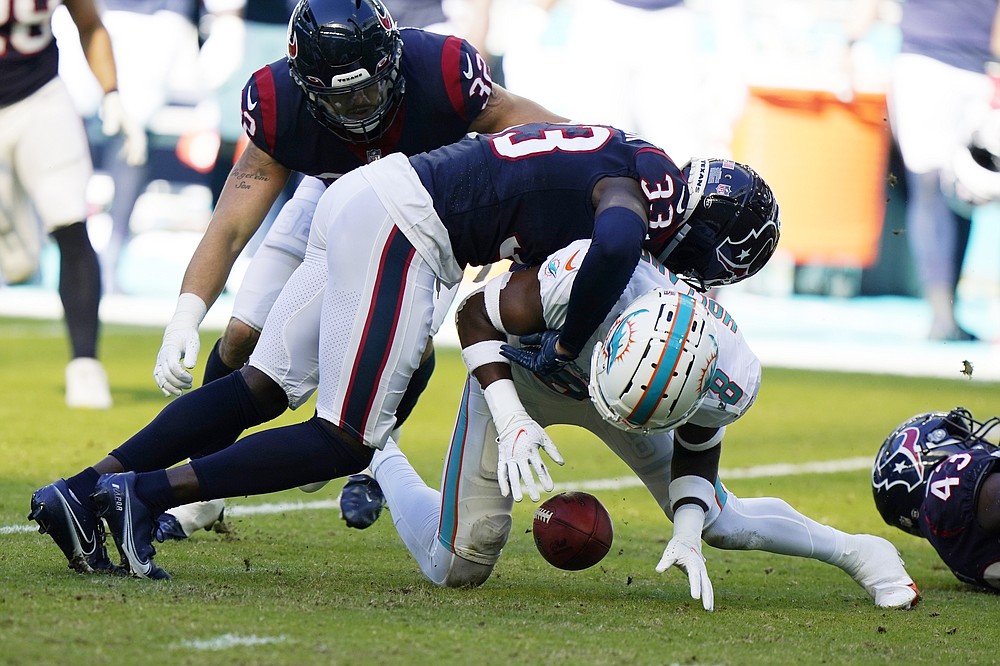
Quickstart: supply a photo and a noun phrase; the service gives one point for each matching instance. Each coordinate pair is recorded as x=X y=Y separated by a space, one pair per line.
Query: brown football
x=572 y=530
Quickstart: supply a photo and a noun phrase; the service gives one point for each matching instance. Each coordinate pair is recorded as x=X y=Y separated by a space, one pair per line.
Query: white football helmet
x=654 y=367
x=973 y=178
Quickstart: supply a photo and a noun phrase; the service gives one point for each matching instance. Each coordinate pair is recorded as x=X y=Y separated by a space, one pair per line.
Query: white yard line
x=755 y=472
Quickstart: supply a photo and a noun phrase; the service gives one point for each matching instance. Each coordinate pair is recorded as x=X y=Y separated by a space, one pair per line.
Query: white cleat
x=182 y=521
x=87 y=384
x=875 y=564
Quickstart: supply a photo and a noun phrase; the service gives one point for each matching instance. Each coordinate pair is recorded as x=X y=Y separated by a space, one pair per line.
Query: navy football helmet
x=911 y=452
x=729 y=225
x=345 y=56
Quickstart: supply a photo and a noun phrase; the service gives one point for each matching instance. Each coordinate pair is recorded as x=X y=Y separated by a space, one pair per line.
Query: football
x=572 y=530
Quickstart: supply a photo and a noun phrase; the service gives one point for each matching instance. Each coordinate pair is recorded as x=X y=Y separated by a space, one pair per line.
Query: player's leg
x=771 y=524
x=278 y=256
x=766 y=523
x=53 y=163
x=455 y=535
x=377 y=311
x=264 y=462
x=288 y=358
x=360 y=499
x=20 y=231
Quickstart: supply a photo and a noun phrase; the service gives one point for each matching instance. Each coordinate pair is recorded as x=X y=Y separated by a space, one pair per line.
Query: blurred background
x=795 y=88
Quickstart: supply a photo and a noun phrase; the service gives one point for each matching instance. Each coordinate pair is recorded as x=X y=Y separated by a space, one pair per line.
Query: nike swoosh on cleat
x=87 y=546
x=145 y=567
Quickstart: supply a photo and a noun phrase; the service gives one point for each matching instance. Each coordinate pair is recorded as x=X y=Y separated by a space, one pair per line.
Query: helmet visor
x=357 y=107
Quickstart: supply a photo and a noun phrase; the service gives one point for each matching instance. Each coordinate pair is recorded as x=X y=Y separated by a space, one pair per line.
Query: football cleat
x=183 y=521
x=87 y=385
x=361 y=501
x=876 y=566
x=77 y=531
x=130 y=523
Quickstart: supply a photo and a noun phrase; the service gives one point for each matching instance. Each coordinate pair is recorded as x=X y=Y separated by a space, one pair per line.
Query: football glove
x=114 y=120
x=537 y=353
x=519 y=443
x=684 y=552
x=180 y=343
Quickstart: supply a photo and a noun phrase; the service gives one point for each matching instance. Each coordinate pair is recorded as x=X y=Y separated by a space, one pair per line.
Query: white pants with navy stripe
x=355 y=316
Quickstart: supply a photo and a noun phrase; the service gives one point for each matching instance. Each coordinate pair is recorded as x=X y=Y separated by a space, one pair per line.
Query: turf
x=300 y=588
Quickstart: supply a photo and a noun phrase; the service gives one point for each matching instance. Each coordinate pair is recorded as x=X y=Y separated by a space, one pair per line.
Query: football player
x=44 y=170
x=352 y=89
x=937 y=476
x=386 y=240
x=670 y=437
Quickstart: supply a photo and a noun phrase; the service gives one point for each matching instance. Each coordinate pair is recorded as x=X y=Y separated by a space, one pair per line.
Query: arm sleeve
x=604 y=274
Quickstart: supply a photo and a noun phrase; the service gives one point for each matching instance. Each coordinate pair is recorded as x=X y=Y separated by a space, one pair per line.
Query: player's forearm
x=250 y=190
x=96 y=44
x=603 y=275
x=697 y=450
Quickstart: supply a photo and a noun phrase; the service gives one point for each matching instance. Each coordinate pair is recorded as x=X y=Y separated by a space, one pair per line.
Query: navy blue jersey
x=948 y=517
x=447 y=86
x=28 y=55
x=524 y=193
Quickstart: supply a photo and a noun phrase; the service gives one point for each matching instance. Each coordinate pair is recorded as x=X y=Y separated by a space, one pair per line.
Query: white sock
x=415 y=510
x=771 y=524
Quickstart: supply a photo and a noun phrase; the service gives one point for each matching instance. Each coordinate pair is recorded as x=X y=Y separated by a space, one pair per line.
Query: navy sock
x=207 y=419
x=418 y=382
x=153 y=489
x=214 y=367
x=82 y=485
x=79 y=287
x=279 y=459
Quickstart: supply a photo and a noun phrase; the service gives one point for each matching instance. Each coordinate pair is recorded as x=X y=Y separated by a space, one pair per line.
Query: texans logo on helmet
x=293 y=44
x=383 y=15
x=904 y=466
x=764 y=239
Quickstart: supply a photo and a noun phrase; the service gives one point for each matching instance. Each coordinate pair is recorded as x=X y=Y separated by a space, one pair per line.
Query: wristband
x=190 y=310
x=689 y=522
x=501 y=398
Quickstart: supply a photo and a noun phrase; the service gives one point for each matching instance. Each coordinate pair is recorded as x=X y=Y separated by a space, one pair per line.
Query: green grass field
x=300 y=588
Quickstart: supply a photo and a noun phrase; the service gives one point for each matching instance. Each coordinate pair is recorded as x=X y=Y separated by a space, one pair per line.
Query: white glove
x=684 y=552
x=115 y=121
x=180 y=341
x=518 y=443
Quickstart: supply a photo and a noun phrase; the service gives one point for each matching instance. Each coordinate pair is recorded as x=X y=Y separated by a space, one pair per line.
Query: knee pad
x=489 y=535
x=465 y=573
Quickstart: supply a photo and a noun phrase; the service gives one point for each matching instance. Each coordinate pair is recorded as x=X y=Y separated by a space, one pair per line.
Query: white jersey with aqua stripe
x=737 y=377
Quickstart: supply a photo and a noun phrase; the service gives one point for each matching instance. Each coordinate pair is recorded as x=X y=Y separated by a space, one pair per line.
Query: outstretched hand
x=684 y=552
x=519 y=457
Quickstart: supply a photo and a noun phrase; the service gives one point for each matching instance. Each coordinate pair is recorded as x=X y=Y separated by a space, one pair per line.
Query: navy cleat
x=130 y=523
x=361 y=501
x=77 y=531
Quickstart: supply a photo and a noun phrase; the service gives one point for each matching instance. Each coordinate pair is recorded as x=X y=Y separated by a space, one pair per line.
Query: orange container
x=826 y=161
